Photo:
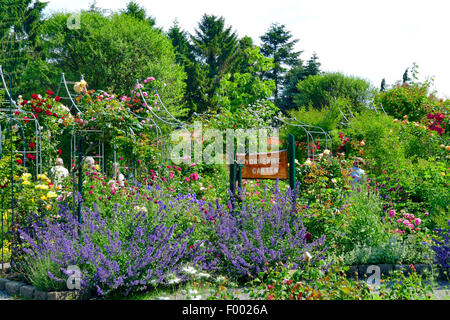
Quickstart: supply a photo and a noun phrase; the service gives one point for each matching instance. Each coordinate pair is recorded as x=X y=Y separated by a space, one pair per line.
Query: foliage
x=245 y=89
x=382 y=143
x=125 y=49
x=320 y=90
x=258 y=115
x=277 y=44
x=324 y=179
x=398 y=286
x=297 y=73
x=365 y=226
x=407 y=99
x=324 y=120
x=389 y=252
x=18 y=32
x=310 y=283
x=214 y=47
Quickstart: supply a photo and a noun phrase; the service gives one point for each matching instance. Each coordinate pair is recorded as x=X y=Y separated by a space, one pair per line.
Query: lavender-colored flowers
x=127 y=251
x=442 y=248
x=252 y=239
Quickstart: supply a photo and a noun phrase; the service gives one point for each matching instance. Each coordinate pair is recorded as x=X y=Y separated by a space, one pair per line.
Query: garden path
x=4 y=296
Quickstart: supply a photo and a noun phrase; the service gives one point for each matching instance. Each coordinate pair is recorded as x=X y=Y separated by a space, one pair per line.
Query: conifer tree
x=277 y=44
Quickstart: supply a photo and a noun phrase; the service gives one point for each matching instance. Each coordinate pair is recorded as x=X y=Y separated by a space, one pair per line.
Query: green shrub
x=389 y=252
x=365 y=226
x=321 y=90
x=411 y=100
x=382 y=143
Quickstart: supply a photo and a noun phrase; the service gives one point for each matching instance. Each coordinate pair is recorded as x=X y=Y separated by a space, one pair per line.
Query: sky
x=371 y=39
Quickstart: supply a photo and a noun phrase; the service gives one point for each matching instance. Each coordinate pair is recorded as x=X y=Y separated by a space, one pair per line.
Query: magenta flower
x=194 y=176
x=417 y=221
x=391 y=213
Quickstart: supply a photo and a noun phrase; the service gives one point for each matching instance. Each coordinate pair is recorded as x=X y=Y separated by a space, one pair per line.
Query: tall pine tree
x=214 y=46
x=19 y=22
x=312 y=66
x=195 y=74
x=135 y=10
x=298 y=73
x=277 y=44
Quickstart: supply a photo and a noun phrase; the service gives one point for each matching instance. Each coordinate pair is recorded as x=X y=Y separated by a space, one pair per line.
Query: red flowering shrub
x=436 y=122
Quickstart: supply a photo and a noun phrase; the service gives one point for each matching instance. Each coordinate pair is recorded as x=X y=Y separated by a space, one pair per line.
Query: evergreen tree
x=135 y=10
x=180 y=41
x=279 y=46
x=19 y=22
x=186 y=58
x=242 y=62
x=298 y=73
x=312 y=66
x=215 y=48
x=405 y=76
x=294 y=75
x=383 y=85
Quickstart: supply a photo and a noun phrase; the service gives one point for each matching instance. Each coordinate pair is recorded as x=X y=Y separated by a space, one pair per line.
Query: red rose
x=50 y=93
x=31 y=145
x=49 y=113
x=16 y=113
x=26 y=119
x=19 y=161
x=57 y=99
x=38 y=110
x=59 y=151
x=35 y=96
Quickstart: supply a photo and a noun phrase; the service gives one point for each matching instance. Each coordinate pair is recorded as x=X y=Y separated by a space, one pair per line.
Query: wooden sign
x=270 y=165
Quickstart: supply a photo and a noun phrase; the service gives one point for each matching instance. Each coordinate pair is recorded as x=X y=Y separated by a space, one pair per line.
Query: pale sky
x=371 y=39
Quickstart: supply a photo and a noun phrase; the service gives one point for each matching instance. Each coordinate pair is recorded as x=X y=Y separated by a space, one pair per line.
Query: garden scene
x=126 y=168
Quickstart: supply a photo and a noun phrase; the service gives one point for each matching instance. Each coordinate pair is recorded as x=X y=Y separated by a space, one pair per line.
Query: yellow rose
x=26 y=175
x=43 y=198
x=51 y=194
x=26 y=183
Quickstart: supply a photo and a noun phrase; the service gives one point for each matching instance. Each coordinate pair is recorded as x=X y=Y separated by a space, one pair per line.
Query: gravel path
x=4 y=296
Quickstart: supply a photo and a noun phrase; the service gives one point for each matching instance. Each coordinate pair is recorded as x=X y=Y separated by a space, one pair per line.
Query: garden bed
x=22 y=290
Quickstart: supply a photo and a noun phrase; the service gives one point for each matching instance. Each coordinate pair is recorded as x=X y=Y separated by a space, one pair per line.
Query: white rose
x=307 y=256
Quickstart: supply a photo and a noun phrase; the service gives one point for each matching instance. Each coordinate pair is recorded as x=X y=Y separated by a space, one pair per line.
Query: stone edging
x=30 y=292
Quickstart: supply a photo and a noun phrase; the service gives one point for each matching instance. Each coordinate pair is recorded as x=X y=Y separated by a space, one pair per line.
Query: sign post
x=270 y=165
x=291 y=154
